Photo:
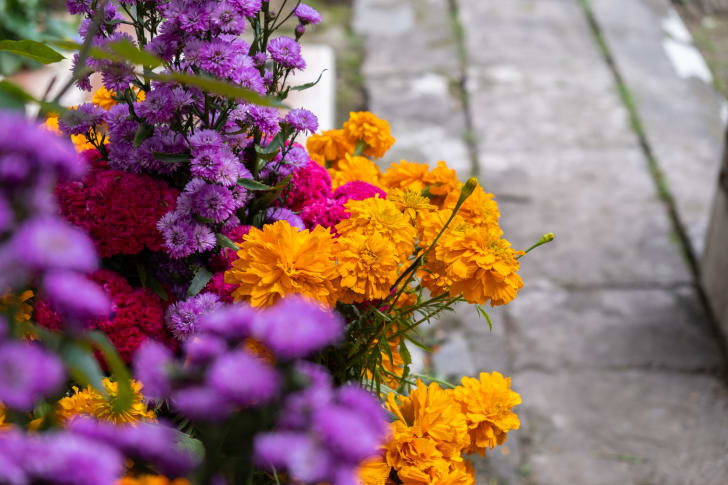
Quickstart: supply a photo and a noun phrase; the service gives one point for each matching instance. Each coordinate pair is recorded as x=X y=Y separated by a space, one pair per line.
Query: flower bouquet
x=263 y=293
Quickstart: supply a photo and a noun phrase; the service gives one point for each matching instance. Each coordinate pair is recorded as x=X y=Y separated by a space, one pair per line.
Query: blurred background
x=600 y=120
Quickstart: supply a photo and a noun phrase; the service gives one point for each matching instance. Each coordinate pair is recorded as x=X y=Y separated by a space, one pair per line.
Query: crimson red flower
x=120 y=210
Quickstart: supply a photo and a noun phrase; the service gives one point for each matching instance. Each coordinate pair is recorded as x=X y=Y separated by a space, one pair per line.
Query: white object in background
x=685 y=58
x=321 y=98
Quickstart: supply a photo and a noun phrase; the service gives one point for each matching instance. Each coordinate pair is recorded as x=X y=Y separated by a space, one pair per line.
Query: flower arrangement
x=263 y=293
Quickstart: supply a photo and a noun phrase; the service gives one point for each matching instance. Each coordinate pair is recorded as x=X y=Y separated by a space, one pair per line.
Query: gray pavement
x=621 y=373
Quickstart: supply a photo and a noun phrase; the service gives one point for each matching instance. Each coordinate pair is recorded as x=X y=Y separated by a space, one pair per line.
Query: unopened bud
x=468 y=189
x=548 y=237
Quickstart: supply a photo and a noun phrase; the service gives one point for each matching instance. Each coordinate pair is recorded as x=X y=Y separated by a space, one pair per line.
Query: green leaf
x=404 y=352
x=83 y=367
x=129 y=52
x=200 y=280
x=301 y=87
x=121 y=374
x=254 y=185
x=143 y=132
x=172 y=157
x=216 y=86
x=157 y=288
x=12 y=97
x=32 y=50
x=225 y=242
x=481 y=311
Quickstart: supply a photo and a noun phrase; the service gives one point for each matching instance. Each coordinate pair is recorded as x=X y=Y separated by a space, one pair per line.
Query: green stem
x=546 y=238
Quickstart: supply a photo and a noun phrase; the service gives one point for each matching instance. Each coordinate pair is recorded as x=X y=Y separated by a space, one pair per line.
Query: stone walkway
x=620 y=370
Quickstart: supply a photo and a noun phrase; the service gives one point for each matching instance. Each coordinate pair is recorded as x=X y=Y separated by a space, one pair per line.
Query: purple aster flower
x=217 y=57
x=231 y=322
x=240 y=193
x=193 y=17
x=249 y=77
x=227 y=18
x=230 y=170
x=48 y=243
x=117 y=76
x=69 y=458
x=214 y=202
x=286 y=52
x=78 y=6
x=206 y=162
x=203 y=348
x=307 y=15
x=299 y=406
x=200 y=403
x=259 y=59
x=302 y=120
x=263 y=118
x=282 y=214
x=204 y=139
x=203 y=238
x=242 y=378
x=76 y=295
x=14 y=168
x=347 y=433
x=81 y=120
x=152 y=362
x=296 y=328
x=247 y=7
x=27 y=374
x=182 y=317
x=300 y=30
x=177 y=235
x=158 y=106
x=302 y=456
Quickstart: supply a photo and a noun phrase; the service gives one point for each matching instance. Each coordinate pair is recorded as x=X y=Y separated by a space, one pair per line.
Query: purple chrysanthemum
x=231 y=322
x=242 y=378
x=158 y=107
x=263 y=118
x=214 y=202
x=282 y=214
x=27 y=373
x=307 y=14
x=247 y=7
x=286 y=52
x=302 y=120
x=181 y=317
x=80 y=120
x=203 y=239
x=200 y=403
x=227 y=18
x=301 y=455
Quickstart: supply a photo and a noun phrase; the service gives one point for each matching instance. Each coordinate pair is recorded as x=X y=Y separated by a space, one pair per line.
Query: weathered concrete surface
x=608 y=343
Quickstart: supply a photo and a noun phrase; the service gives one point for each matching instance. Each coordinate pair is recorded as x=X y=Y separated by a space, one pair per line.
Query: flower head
x=280 y=260
x=92 y=403
x=27 y=373
x=368 y=266
x=329 y=146
x=352 y=169
x=486 y=403
x=406 y=175
x=307 y=14
x=368 y=128
x=302 y=120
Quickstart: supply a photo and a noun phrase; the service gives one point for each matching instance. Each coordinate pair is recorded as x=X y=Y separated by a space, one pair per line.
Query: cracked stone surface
x=609 y=345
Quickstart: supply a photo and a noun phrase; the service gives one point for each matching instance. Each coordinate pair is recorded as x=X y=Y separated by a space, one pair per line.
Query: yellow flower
x=376 y=215
x=481 y=265
x=281 y=260
x=487 y=405
x=374 y=471
x=478 y=210
x=410 y=203
x=17 y=304
x=2 y=417
x=104 y=98
x=433 y=273
x=375 y=132
x=367 y=265
x=150 y=480
x=352 y=168
x=80 y=142
x=441 y=182
x=93 y=403
x=429 y=412
x=328 y=146
x=406 y=175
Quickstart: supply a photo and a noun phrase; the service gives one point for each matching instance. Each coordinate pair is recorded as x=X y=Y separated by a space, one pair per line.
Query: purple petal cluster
x=307 y=14
x=80 y=120
x=286 y=52
x=302 y=120
x=27 y=374
x=181 y=317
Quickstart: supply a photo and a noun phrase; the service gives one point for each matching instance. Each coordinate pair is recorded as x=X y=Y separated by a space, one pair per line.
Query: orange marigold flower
x=150 y=480
x=481 y=264
x=2 y=417
x=376 y=215
x=281 y=260
x=18 y=304
x=374 y=471
x=411 y=203
x=375 y=132
x=352 y=168
x=441 y=182
x=104 y=98
x=92 y=403
x=367 y=265
x=487 y=405
x=480 y=209
x=429 y=412
x=328 y=146
x=406 y=175
x=80 y=142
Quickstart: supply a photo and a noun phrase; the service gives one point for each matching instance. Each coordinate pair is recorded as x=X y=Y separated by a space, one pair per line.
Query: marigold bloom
x=104 y=98
x=374 y=471
x=281 y=260
x=367 y=265
x=481 y=264
x=80 y=142
x=150 y=480
x=375 y=132
x=2 y=417
x=479 y=209
x=328 y=146
x=406 y=175
x=19 y=304
x=441 y=181
x=352 y=168
x=487 y=405
x=375 y=215
x=411 y=203
x=92 y=403
x=429 y=413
